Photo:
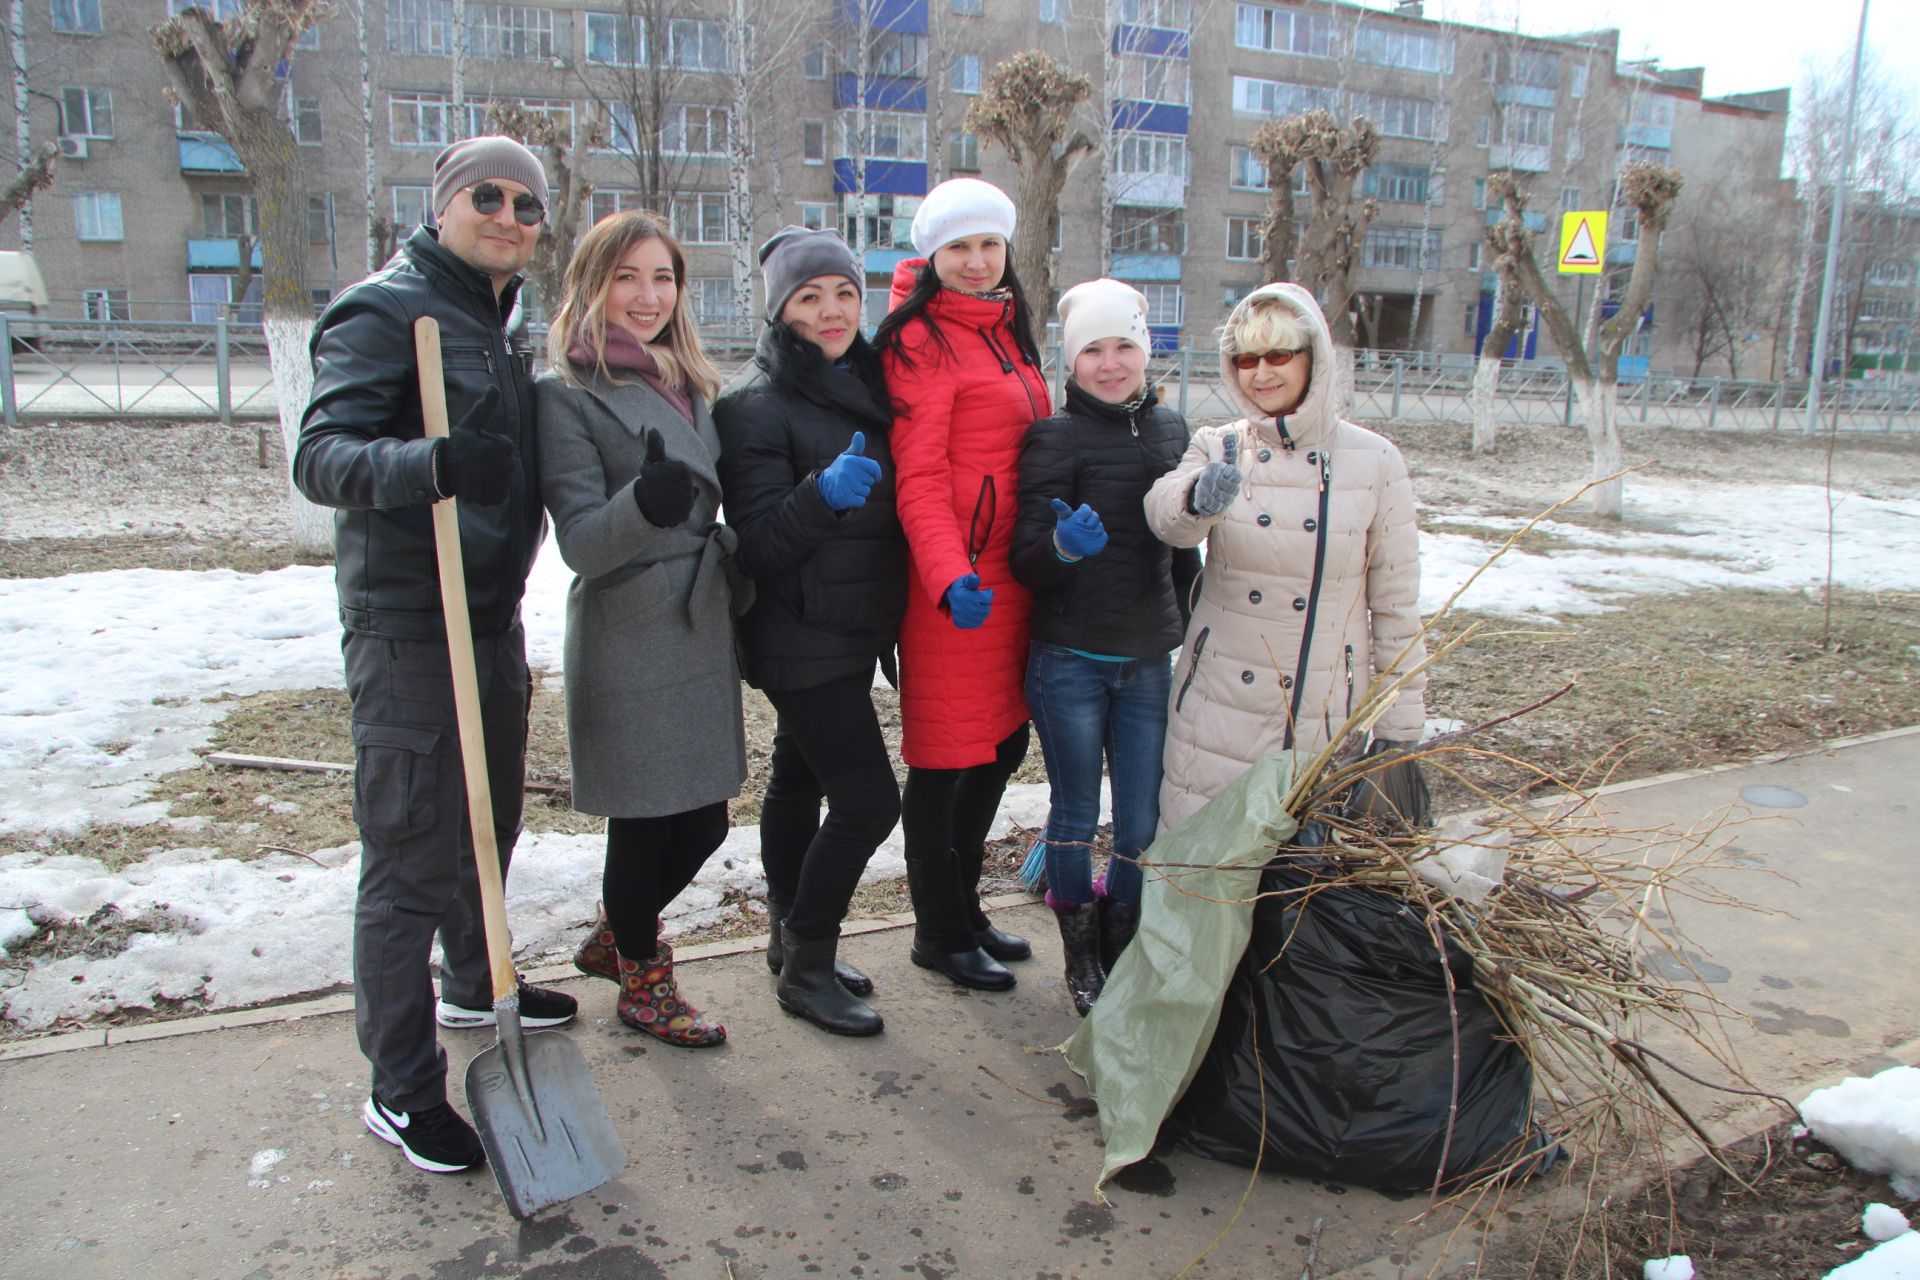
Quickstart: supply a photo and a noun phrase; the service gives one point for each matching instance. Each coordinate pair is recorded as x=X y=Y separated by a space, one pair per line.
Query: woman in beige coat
x=1312 y=577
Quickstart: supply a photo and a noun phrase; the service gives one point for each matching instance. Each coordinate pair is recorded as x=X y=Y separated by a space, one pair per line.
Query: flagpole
x=1823 y=329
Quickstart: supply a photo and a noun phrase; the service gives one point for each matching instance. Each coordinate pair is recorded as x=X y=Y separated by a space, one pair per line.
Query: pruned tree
x=569 y=193
x=1505 y=241
x=1650 y=190
x=1026 y=107
x=35 y=176
x=228 y=75
x=1324 y=247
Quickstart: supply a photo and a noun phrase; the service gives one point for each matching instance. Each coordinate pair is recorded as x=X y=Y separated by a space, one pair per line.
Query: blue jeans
x=1085 y=710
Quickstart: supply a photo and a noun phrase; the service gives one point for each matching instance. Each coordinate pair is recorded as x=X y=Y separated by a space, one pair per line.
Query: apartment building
x=846 y=113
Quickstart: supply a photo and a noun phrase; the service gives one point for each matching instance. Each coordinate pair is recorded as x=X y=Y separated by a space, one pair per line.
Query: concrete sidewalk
x=954 y=1145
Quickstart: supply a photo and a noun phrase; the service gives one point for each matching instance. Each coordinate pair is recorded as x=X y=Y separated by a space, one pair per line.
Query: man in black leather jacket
x=363 y=451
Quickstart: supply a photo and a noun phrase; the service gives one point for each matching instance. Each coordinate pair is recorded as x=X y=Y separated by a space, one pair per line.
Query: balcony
x=1146 y=266
x=208 y=153
x=1523 y=95
x=1520 y=156
x=218 y=254
x=1149 y=117
x=884 y=177
x=1155 y=190
x=884 y=93
x=1621 y=253
x=1535 y=221
x=1657 y=136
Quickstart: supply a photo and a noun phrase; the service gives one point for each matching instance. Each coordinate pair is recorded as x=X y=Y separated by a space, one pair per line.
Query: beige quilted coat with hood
x=1312 y=579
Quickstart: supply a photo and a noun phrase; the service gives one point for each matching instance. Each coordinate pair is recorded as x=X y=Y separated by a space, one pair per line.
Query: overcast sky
x=1745 y=45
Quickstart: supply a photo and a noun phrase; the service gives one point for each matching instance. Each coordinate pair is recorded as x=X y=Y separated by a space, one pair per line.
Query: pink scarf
x=627 y=353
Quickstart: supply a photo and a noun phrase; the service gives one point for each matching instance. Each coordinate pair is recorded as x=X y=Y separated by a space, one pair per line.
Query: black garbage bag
x=1341 y=993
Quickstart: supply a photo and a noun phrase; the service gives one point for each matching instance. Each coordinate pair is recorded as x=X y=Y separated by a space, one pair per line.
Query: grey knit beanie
x=795 y=255
x=477 y=159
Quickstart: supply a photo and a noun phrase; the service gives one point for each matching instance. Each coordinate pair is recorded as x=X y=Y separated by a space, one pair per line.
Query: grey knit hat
x=795 y=255
x=477 y=159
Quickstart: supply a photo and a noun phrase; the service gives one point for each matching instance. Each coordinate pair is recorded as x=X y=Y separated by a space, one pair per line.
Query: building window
x=1473 y=318
x=1279 y=98
x=1473 y=256
x=701 y=217
x=1577 y=82
x=86 y=113
x=1244 y=170
x=1160 y=232
x=964 y=75
x=319 y=225
x=1053 y=10
x=1168 y=15
x=694 y=44
x=1244 y=240
x=559 y=111
x=410 y=209
x=1396 y=182
x=1165 y=304
x=417 y=119
x=1401 y=117
x=228 y=216
x=1148 y=78
x=1231 y=295
x=105 y=305
x=963 y=152
x=892 y=135
x=1403 y=47
x=509 y=31
x=420 y=26
x=81 y=16
x=694 y=131
x=96 y=215
x=813 y=141
x=1576 y=144
x=813 y=63
x=712 y=299
x=1283 y=31
x=1483 y=131
x=816 y=215
x=1479 y=193
x=1891 y=273
x=1569 y=198
x=969 y=8
x=1527 y=127
x=1151 y=154
x=224 y=10
x=306 y=122
x=895 y=53
x=1536 y=68
x=888 y=219
x=1652 y=109
x=607 y=202
x=1399 y=249
x=616 y=40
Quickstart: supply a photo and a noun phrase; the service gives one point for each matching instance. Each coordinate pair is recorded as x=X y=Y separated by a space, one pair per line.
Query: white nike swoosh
x=398 y=1119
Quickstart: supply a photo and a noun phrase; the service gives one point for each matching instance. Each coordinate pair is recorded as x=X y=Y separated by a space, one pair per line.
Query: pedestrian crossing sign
x=1583 y=242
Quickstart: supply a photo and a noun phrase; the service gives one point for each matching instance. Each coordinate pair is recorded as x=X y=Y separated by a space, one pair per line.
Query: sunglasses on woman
x=1276 y=357
x=487 y=199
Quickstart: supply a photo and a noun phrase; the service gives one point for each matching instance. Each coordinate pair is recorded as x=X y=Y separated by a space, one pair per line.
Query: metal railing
x=63 y=368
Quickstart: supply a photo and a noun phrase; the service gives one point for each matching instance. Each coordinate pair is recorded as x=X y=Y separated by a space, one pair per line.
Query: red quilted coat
x=963 y=409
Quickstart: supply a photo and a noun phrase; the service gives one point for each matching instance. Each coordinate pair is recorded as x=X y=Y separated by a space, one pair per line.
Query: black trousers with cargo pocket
x=417 y=871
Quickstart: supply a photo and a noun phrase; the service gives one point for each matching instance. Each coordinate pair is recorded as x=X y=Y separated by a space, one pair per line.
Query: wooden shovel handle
x=466 y=685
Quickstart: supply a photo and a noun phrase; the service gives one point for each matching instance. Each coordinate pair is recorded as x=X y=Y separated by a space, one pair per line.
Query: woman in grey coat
x=629 y=469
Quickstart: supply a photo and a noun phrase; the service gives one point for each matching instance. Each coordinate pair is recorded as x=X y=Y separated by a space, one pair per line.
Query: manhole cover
x=1773 y=797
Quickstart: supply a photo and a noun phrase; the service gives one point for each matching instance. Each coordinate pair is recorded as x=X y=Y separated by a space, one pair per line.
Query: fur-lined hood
x=1314 y=419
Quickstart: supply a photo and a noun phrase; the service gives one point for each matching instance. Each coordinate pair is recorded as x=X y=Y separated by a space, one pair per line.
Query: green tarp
x=1146 y=1035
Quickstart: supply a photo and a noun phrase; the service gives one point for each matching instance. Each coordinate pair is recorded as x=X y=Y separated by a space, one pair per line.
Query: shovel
x=540 y=1118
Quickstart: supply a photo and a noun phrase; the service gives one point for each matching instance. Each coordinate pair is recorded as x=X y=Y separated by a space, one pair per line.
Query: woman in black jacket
x=1108 y=609
x=808 y=483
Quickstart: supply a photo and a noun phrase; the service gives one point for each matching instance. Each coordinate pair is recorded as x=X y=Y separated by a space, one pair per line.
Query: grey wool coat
x=653 y=689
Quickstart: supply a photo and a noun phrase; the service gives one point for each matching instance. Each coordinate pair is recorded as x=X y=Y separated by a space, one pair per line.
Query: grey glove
x=1219 y=482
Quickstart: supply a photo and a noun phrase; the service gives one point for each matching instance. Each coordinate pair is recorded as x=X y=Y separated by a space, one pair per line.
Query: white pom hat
x=1102 y=309
x=961 y=207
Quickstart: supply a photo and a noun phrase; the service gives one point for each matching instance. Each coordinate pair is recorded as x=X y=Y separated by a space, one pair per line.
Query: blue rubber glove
x=968 y=602
x=850 y=477
x=1077 y=532
x=1219 y=482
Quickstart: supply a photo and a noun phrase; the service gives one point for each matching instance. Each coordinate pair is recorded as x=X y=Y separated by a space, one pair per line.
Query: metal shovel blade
x=561 y=1147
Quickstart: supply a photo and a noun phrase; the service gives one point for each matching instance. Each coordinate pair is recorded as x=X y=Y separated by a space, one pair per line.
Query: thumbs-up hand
x=1219 y=482
x=848 y=479
x=968 y=603
x=664 y=487
x=1077 y=532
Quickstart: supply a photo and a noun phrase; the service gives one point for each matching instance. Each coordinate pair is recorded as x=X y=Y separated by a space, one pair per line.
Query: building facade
x=846 y=113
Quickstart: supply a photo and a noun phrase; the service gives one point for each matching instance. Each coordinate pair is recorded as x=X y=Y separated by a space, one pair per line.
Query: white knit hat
x=961 y=207
x=1102 y=309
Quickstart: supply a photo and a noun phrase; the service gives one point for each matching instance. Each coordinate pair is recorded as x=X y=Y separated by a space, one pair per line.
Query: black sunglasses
x=487 y=199
x=1277 y=357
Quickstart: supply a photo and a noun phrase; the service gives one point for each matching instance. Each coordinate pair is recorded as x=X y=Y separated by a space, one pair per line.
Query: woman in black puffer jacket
x=808 y=480
x=1108 y=608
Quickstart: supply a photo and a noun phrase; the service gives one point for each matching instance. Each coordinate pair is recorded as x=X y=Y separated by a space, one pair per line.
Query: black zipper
x=1349 y=682
x=1313 y=596
x=1193 y=667
x=977 y=537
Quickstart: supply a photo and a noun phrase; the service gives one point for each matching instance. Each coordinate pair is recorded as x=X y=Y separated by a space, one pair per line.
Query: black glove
x=472 y=464
x=664 y=487
x=1394 y=793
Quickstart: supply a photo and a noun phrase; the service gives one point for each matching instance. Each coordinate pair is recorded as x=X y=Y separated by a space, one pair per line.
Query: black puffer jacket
x=363 y=448
x=832 y=585
x=1130 y=600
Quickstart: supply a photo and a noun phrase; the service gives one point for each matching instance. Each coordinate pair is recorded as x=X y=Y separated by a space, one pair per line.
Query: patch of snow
x=1678 y=1267
x=262 y=1164
x=1883 y=1222
x=1874 y=1123
x=1897 y=1259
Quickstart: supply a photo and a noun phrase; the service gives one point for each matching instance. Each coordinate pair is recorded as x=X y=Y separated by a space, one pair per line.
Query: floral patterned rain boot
x=597 y=957
x=650 y=1001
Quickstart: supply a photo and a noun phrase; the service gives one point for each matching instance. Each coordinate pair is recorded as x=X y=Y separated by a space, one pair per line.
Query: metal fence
x=55 y=368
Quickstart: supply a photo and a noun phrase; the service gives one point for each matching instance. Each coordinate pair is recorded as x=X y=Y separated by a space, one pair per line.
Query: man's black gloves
x=471 y=464
x=664 y=487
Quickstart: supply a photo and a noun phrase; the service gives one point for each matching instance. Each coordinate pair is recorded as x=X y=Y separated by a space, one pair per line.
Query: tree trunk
x=375 y=260
x=1486 y=388
x=22 y=121
x=739 y=172
x=1600 y=407
x=1037 y=201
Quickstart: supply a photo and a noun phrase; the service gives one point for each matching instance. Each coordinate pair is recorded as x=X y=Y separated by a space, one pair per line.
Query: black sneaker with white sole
x=539 y=1007
x=437 y=1138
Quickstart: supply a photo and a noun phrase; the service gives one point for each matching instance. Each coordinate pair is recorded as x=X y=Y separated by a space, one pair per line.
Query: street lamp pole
x=1823 y=330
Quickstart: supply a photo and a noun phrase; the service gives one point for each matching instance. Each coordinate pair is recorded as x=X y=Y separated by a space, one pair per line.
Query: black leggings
x=827 y=745
x=946 y=817
x=649 y=861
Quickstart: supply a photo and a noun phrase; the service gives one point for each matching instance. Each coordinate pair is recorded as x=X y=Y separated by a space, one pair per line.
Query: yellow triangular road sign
x=1583 y=242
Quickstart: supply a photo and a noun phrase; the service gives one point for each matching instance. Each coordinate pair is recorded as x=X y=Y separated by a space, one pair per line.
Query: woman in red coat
x=965 y=375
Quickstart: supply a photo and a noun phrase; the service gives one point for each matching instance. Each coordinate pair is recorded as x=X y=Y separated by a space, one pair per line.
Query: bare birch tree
x=225 y=73
x=1026 y=107
x=564 y=153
